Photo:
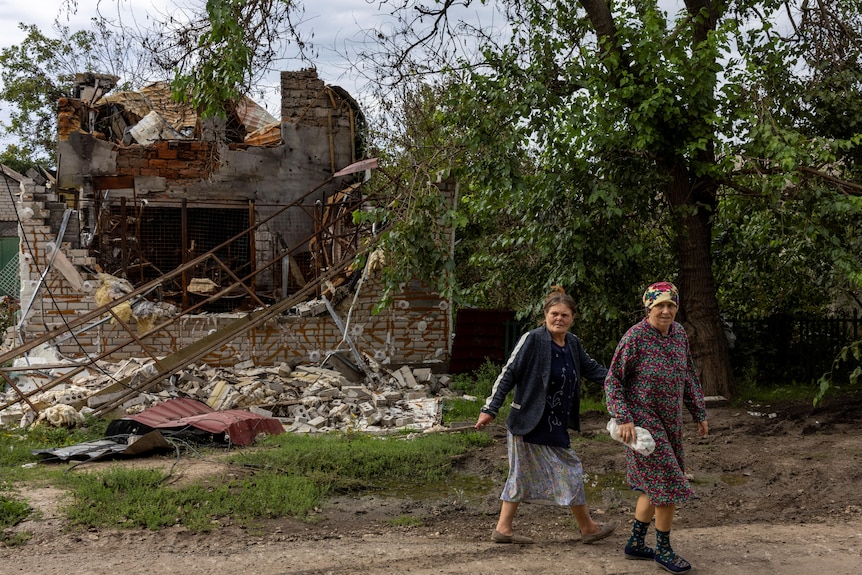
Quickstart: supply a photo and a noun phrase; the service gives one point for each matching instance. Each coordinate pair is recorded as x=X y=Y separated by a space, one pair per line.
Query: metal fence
x=10 y=282
x=783 y=349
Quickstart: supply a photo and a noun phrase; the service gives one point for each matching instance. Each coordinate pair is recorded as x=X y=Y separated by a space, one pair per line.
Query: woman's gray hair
x=558 y=295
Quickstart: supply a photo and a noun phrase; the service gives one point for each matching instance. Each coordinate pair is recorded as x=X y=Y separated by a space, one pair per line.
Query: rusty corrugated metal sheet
x=240 y=426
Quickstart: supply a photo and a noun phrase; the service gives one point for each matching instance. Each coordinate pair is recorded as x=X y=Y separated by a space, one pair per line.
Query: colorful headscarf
x=659 y=292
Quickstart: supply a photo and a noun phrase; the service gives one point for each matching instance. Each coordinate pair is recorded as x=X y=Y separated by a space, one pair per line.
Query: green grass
x=137 y=498
x=283 y=475
x=12 y=512
x=752 y=393
x=405 y=521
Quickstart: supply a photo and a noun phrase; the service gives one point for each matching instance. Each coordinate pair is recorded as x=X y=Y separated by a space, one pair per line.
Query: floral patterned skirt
x=543 y=474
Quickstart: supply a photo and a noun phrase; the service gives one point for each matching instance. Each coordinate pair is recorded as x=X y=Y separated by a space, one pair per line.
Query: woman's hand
x=484 y=419
x=627 y=432
x=702 y=428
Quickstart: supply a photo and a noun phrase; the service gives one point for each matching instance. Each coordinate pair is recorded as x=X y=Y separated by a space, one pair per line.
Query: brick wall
x=307 y=100
x=9 y=191
x=414 y=330
x=170 y=159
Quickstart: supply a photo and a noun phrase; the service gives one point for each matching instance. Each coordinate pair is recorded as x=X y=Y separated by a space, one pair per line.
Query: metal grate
x=10 y=284
x=142 y=243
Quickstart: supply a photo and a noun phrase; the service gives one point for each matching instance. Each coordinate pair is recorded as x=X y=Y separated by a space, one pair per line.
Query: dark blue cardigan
x=528 y=371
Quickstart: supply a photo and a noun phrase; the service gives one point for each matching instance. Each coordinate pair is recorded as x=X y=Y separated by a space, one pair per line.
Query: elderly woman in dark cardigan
x=545 y=370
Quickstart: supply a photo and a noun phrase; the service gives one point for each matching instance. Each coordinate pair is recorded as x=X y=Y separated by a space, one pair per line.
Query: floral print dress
x=650 y=380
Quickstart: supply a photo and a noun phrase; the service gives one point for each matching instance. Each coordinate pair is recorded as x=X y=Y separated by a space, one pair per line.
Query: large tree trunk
x=698 y=303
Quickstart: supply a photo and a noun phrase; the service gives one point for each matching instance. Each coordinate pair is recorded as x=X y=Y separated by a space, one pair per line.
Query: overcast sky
x=334 y=24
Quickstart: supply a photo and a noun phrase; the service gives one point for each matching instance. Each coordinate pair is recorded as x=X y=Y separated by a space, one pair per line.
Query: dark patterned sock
x=636 y=541
x=662 y=545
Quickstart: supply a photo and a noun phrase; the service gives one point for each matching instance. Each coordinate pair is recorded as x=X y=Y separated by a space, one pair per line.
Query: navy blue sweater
x=528 y=371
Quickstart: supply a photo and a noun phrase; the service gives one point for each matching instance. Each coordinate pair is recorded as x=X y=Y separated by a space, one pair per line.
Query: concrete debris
x=304 y=398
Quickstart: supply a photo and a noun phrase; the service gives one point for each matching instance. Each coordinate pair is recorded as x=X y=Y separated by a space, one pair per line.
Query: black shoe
x=642 y=552
x=675 y=564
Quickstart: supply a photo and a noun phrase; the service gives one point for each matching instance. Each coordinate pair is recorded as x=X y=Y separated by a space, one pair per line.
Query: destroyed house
x=220 y=242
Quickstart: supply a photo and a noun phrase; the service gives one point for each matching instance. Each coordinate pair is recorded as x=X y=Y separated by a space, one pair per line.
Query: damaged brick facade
x=125 y=198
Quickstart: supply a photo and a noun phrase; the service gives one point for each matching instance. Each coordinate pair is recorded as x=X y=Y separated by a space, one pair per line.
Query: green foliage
x=41 y=69
x=478 y=385
x=417 y=204
x=217 y=55
x=16 y=443
x=847 y=366
x=604 y=151
x=35 y=74
x=751 y=394
x=805 y=246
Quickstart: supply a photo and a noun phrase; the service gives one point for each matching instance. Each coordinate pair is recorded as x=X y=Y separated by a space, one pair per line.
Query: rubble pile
x=304 y=398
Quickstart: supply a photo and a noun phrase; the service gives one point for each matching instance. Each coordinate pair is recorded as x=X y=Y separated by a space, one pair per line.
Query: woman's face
x=661 y=315
x=558 y=319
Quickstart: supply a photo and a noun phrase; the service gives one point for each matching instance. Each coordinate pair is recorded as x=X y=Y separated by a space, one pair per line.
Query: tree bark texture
x=699 y=311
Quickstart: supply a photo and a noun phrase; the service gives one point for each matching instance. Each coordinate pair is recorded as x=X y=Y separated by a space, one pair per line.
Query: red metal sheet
x=240 y=426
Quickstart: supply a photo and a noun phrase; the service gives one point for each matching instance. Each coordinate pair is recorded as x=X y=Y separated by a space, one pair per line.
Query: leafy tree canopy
x=604 y=146
x=36 y=73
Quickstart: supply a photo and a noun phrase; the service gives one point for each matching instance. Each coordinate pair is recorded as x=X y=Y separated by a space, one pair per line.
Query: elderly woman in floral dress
x=650 y=379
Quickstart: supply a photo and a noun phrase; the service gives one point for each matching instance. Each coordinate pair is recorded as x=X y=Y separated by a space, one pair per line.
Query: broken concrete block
x=357 y=392
x=134 y=402
x=411 y=395
x=317 y=422
x=300 y=414
x=248 y=364
x=339 y=411
x=284 y=370
x=330 y=375
x=422 y=374
x=260 y=411
x=98 y=400
x=405 y=377
x=392 y=396
x=404 y=421
x=302 y=380
x=276 y=387
x=223 y=396
x=374 y=418
x=10 y=416
x=366 y=409
x=329 y=393
x=349 y=370
x=192 y=379
x=301 y=427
